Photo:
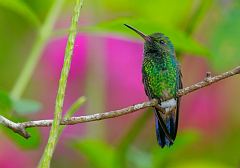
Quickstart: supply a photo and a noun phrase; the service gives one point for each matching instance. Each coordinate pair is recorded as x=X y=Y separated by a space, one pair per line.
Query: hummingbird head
x=155 y=43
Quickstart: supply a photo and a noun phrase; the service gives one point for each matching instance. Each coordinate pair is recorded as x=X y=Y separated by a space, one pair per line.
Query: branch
x=16 y=127
x=208 y=81
x=20 y=128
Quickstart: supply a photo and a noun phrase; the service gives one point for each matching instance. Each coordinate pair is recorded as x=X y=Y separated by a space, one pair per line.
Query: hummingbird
x=161 y=77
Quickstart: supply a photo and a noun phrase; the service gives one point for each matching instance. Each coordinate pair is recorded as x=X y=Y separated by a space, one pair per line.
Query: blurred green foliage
x=175 y=19
x=10 y=104
x=182 y=21
x=181 y=40
x=22 y=9
x=5 y=103
x=225 y=41
x=24 y=106
x=98 y=152
x=101 y=154
x=31 y=143
x=19 y=107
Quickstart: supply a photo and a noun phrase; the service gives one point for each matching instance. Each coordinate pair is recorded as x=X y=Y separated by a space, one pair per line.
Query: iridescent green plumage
x=160 y=68
x=162 y=79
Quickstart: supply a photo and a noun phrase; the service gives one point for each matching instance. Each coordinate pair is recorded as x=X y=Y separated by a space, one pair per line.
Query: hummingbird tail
x=169 y=125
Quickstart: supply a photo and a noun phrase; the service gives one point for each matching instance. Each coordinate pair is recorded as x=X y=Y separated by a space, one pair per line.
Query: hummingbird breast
x=159 y=76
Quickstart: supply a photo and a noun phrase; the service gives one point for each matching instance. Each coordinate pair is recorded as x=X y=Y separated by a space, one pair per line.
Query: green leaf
x=5 y=104
x=97 y=152
x=24 y=106
x=171 y=13
x=180 y=39
x=32 y=143
x=22 y=9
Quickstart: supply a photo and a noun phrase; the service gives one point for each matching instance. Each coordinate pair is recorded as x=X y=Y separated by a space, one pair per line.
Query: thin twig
x=208 y=81
x=20 y=127
x=16 y=127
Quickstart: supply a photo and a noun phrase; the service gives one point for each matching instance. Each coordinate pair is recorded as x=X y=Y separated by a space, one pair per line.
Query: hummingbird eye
x=162 y=42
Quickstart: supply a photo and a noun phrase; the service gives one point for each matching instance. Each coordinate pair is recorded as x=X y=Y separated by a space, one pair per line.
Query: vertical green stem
x=49 y=149
x=42 y=37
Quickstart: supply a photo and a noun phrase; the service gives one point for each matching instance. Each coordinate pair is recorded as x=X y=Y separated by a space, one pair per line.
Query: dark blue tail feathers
x=161 y=137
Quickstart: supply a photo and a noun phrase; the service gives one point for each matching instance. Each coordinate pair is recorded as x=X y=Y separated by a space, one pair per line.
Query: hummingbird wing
x=162 y=132
x=166 y=130
x=179 y=86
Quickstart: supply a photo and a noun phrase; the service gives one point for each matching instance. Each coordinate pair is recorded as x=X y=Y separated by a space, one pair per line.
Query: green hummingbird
x=161 y=77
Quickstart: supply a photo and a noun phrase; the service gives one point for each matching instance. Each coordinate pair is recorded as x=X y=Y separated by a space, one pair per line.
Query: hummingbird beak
x=145 y=37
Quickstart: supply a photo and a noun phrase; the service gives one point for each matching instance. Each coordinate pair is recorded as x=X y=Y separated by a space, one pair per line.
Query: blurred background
x=106 y=69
